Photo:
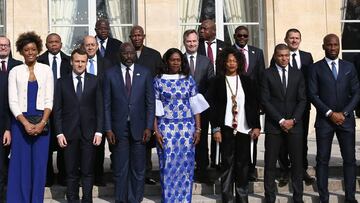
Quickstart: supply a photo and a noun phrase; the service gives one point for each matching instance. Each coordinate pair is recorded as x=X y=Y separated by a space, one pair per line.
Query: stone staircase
x=203 y=193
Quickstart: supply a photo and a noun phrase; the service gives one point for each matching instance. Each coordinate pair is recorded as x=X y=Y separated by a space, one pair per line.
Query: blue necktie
x=102 y=48
x=333 y=69
x=54 y=69
x=91 y=69
x=79 y=87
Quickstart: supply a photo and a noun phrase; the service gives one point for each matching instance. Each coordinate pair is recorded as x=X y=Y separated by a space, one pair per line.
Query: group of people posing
x=136 y=99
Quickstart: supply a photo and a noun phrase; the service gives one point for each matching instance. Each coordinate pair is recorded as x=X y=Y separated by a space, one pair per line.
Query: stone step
x=309 y=197
x=335 y=185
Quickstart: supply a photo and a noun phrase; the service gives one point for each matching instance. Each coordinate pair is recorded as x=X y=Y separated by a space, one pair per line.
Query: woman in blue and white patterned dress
x=177 y=126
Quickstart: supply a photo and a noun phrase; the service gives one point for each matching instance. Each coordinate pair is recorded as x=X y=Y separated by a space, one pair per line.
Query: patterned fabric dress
x=177 y=101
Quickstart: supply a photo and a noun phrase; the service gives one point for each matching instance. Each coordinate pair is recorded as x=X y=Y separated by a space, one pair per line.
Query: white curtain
x=190 y=11
x=63 y=13
x=343 y=14
x=234 y=11
x=119 y=12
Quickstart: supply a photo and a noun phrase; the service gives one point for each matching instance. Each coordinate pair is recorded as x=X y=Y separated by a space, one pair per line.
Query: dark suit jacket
x=112 y=50
x=139 y=107
x=102 y=65
x=256 y=63
x=78 y=119
x=150 y=58
x=65 y=67
x=12 y=63
x=4 y=105
x=218 y=101
x=220 y=45
x=277 y=104
x=204 y=72
x=326 y=93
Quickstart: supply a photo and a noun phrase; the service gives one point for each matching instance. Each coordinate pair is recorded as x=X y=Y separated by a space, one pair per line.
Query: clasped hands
x=337 y=118
x=286 y=125
x=34 y=129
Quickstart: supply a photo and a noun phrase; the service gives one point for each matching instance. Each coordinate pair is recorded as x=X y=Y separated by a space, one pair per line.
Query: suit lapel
x=135 y=82
x=122 y=80
x=251 y=61
x=341 y=69
x=327 y=69
x=277 y=79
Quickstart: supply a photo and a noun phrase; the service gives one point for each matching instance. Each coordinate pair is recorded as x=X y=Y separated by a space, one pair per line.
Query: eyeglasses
x=5 y=45
x=240 y=35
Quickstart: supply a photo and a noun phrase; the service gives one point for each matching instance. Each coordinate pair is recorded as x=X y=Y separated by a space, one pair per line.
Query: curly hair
x=184 y=68
x=222 y=59
x=26 y=38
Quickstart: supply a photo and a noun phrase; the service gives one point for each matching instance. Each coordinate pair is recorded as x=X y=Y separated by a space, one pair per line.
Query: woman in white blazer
x=31 y=89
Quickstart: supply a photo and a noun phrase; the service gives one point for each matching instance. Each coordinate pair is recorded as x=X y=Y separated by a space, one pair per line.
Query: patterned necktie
x=192 y=66
x=210 y=52
x=333 y=69
x=128 y=81
x=102 y=48
x=79 y=87
x=3 y=67
x=91 y=68
x=54 y=68
x=284 y=79
x=246 y=66
x=294 y=61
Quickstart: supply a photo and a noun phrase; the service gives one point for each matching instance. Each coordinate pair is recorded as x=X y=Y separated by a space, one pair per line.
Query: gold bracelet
x=198 y=130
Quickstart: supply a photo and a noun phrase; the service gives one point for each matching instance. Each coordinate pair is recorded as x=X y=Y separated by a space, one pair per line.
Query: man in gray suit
x=202 y=70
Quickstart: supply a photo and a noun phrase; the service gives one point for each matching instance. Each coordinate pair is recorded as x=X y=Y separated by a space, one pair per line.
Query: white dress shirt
x=99 y=42
x=131 y=72
x=297 y=58
x=194 y=59
x=58 y=63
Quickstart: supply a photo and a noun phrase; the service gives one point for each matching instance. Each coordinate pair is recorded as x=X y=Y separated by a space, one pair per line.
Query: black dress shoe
x=283 y=182
x=150 y=181
x=203 y=177
x=308 y=179
x=252 y=177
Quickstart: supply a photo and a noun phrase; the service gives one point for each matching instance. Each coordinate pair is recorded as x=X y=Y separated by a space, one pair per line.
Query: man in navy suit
x=151 y=59
x=129 y=105
x=254 y=68
x=5 y=135
x=96 y=65
x=60 y=65
x=334 y=91
x=78 y=113
x=283 y=98
x=202 y=71
x=108 y=46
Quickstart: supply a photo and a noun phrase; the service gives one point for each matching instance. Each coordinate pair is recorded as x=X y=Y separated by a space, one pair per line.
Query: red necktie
x=210 y=52
x=3 y=67
x=245 y=62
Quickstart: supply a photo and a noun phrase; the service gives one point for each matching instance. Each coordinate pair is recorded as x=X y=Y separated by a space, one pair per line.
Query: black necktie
x=294 y=61
x=54 y=68
x=192 y=66
x=79 y=87
x=128 y=81
x=3 y=67
x=284 y=79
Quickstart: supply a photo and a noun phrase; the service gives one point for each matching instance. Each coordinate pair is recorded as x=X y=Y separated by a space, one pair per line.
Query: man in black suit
x=5 y=135
x=7 y=62
x=283 y=98
x=210 y=46
x=60 y=64
x=202 y=70
x=96 y=65
x=78 y=113
x=301 y=60
x=108 y=47
x=334 y=91
x=151 y=59
x=254 y=68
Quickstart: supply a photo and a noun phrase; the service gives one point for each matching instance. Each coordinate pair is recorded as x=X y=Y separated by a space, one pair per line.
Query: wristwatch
x=346 y=114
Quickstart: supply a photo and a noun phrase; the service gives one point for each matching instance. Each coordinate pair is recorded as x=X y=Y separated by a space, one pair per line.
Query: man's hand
x=255 y=133
x=196 y=137
x=7 y=138
x=286 y=125
x=337 y=118
x=111 y=137
x=62 y=141
x=146 y=135
x=159 y=139
x=97 y=140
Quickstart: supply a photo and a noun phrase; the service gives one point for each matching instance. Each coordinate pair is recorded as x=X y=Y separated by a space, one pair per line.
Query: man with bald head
x=129 y=106
x=108 y=46
x=96 y=65
x=60 y=65
x=334 y=91
x=151 y=59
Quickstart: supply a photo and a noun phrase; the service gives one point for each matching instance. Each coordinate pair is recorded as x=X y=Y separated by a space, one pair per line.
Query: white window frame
x=4 y=17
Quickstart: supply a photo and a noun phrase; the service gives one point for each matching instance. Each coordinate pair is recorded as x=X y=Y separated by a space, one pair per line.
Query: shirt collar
x=74 y=75
x=52 y=55
x=279 y=68
x=296 y=52
x=329 y=61
x=94 y=58
x=188 y=55
x=123 y=67
x=246 y=47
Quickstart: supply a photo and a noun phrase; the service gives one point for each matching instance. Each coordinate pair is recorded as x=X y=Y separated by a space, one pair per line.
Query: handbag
x=35 y=119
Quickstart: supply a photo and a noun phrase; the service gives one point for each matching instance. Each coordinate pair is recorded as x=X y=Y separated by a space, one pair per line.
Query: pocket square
x=137 y=74
x=253 y=52
x=347 y=73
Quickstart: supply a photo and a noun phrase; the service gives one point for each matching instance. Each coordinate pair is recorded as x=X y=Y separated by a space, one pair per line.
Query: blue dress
x=28 y=158
x=177 y=126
